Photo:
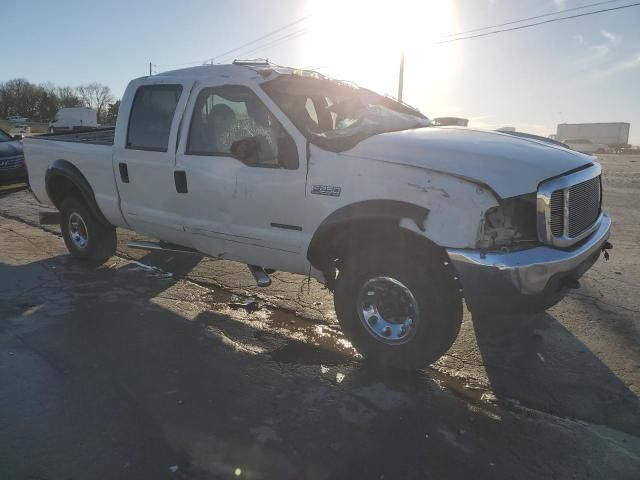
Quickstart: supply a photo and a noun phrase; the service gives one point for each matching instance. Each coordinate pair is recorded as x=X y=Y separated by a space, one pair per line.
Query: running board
x=261 y=277
x=160 y=246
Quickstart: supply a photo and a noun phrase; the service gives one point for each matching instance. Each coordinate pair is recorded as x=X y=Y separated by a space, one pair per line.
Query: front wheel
x=85 y=236
x=400 y=310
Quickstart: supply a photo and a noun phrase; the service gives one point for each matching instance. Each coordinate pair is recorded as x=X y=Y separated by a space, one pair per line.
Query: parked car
x=288 y=170
x=584 y=145
x=21 y=130
x=74 y=118
x=12 y=167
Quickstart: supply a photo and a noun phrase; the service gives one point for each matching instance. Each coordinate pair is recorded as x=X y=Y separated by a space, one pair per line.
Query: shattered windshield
x=337 y=115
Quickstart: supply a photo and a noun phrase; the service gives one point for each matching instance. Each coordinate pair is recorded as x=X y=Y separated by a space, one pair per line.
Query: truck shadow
x=126 y=370
x=536 y=361
x=532 y=359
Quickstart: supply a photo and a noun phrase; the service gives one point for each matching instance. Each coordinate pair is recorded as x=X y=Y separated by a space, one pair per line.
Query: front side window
x=232 y=121
x=151 y=117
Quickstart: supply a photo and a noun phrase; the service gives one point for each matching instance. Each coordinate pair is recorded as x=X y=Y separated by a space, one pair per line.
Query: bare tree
x=19 y=97
x=96 y=96
x=67 y=97
x=112 y=113
x=45 y=101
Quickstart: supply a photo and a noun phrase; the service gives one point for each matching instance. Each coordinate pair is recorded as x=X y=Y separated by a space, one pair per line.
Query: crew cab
x=286 y=169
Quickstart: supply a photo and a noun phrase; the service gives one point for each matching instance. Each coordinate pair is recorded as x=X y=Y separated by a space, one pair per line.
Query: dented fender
x=457 y=209
x=447 y=210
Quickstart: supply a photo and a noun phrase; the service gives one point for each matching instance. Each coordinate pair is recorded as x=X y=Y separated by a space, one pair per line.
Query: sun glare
x=362 y=41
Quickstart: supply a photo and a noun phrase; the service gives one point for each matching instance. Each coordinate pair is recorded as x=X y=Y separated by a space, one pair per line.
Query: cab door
x=248 y=209
x=144 y=158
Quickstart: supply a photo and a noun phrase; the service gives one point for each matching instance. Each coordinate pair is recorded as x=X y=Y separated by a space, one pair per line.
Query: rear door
x=144 y=158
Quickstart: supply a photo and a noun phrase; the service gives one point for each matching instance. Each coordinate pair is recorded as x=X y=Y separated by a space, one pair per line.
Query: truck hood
x=509 y=165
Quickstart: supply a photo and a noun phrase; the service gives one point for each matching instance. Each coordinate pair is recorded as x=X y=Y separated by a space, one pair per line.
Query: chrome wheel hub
x=78 y=231
x=388 y=310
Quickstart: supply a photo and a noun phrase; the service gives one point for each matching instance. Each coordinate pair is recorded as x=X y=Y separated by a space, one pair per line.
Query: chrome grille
x=557 y=213
x=583 y=202
x=569 y=206
x=584 y=205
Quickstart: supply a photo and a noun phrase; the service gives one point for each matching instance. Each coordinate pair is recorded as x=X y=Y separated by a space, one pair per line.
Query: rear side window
x=151 y=117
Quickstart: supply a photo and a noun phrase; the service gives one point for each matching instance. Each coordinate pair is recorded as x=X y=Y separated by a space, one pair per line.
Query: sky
x=581 y=70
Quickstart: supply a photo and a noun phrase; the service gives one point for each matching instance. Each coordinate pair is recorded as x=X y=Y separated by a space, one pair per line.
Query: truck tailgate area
x=91 y=152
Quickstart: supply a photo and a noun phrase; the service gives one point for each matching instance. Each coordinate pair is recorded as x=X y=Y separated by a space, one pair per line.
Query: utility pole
x=150 y=74
x=401 y=77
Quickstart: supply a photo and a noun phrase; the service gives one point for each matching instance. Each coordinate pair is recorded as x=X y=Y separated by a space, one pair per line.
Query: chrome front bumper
x=525 y=280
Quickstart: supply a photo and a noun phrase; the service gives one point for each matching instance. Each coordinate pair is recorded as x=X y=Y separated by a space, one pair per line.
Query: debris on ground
x=488 y=397
x=249 y=304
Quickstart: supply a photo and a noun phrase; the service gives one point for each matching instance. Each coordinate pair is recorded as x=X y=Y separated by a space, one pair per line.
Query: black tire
x=434 y=288
x=100 y=239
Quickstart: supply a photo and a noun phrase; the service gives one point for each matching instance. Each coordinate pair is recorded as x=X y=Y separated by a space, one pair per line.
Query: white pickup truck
x=288 y=170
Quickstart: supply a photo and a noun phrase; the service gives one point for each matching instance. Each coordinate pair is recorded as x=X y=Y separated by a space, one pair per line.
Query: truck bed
x=90 y=151
x=100 y=136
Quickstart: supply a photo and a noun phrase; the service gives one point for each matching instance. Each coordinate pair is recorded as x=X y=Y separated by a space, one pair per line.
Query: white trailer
x=615 y=134
x=74 y=118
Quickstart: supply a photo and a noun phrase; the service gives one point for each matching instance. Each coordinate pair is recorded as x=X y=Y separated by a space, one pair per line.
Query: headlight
x=511 y=223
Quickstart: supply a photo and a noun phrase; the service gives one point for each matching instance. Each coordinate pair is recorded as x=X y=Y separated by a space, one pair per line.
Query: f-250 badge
x=326 y=190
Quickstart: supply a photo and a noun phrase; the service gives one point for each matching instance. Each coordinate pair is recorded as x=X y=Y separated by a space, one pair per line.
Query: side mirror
x=246 y=149
x=18 y=137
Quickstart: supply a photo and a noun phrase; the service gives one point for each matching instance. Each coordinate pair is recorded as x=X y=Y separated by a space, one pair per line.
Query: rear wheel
x=85 y=236
x=401 y=310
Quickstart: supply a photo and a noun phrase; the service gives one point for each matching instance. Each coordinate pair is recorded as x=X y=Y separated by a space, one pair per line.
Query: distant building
x=615 y=134
x=446 y=121
x=506 y=129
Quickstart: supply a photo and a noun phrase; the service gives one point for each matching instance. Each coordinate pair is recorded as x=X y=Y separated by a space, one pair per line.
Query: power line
x=285 y=38
x=529 y=25
x=301 y=19
x=255 y=40
x=304 y=30
x=291 y=36
x=532 y=18
x=300 y=32
x=520 y=27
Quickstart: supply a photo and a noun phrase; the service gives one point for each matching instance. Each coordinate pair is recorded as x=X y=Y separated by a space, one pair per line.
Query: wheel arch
x=353 y=226
x=63 y=179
